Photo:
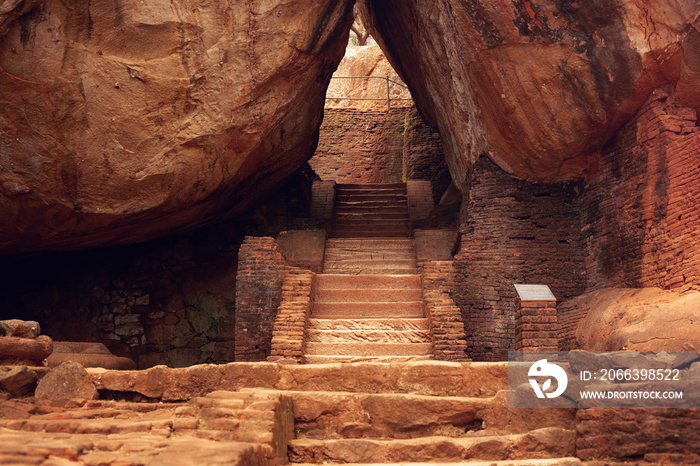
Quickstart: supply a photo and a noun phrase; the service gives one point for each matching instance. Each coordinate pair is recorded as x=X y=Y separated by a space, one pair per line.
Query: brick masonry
x=536 y=326
x=360 y=146
x=303 y=248
x=420 y=199
x=423 y=155
x=289 y=330
x=641 y=207
x=261 y=274
x=446 y=326
x=434 y=245
x=376 y=146
x=514 y=232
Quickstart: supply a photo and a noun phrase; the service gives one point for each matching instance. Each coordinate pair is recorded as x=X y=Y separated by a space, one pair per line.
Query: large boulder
x=637 y=319
x=537 y=85
x=122 y=121
x=368 y=60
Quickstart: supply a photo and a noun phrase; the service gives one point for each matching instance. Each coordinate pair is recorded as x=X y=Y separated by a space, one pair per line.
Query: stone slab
x=534 y=292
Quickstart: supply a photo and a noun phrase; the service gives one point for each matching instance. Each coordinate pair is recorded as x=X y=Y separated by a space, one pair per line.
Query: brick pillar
x=261 y=272
x=536 y=325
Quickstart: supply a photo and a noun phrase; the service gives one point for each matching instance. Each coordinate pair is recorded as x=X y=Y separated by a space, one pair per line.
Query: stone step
x=366 y=223
x=340 y=254
x=370 y=229
x=341 y=217
x=365 y=186
x=368 y=282
x=417 y=324
x=370 y=243
x=342 y=198
x=368 y=336
x=547 y=443
x=390 y=267
x=328 y=310
x=368 y=209
x=368 y=204
x=405 y=416
x=354 y=295
x=570 y=461
x=368 y=349
x=434 y=378
x=336 y=359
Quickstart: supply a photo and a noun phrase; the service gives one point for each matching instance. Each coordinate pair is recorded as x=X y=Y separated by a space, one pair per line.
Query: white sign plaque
x=534 y=293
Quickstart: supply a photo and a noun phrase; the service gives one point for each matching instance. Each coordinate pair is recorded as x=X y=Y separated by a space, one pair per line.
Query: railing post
x=388 y=96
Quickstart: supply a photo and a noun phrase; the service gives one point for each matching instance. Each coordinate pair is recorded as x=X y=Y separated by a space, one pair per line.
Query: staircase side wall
x=289 y=330
x=261 y=273
x=446 y=326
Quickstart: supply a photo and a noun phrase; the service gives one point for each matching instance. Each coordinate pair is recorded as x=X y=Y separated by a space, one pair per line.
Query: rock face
x=637 y=319
x=123 y=121
x=538 y=85
x=366 y=61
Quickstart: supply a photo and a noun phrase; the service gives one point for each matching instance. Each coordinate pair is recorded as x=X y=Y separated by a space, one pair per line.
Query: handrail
x=388 y=95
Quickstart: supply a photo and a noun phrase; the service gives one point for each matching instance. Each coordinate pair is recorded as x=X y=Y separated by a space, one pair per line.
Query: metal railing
x=388 y=93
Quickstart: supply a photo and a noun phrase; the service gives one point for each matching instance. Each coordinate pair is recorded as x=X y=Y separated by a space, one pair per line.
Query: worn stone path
x=267 y=413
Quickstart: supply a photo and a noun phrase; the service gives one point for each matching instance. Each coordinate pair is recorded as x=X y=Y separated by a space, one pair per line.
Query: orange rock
x=122 y=122
x=25 y=349
x=67 y=382
x=535 y=85
x=637 y=319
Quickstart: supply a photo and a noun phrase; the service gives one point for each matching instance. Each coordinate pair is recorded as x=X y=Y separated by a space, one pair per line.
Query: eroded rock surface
x=538 y=85
x=637 y=319
x=366 y=61
x=123 y=121
x=67 y=382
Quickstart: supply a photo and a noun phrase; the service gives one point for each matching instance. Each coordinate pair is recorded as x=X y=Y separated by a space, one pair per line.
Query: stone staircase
x=368 y=299
x=370 y=210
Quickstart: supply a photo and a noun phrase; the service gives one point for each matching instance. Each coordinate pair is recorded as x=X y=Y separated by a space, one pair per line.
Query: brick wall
x=423 y=155
x=168 y=301
x=261 y=273
x=514 y=232
x=446 y=326
x=322 y=199
x=536 y=327
x=360 y=146
x=420 y=199
x=289 y=330
x=379 y=146
x=641 y=208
